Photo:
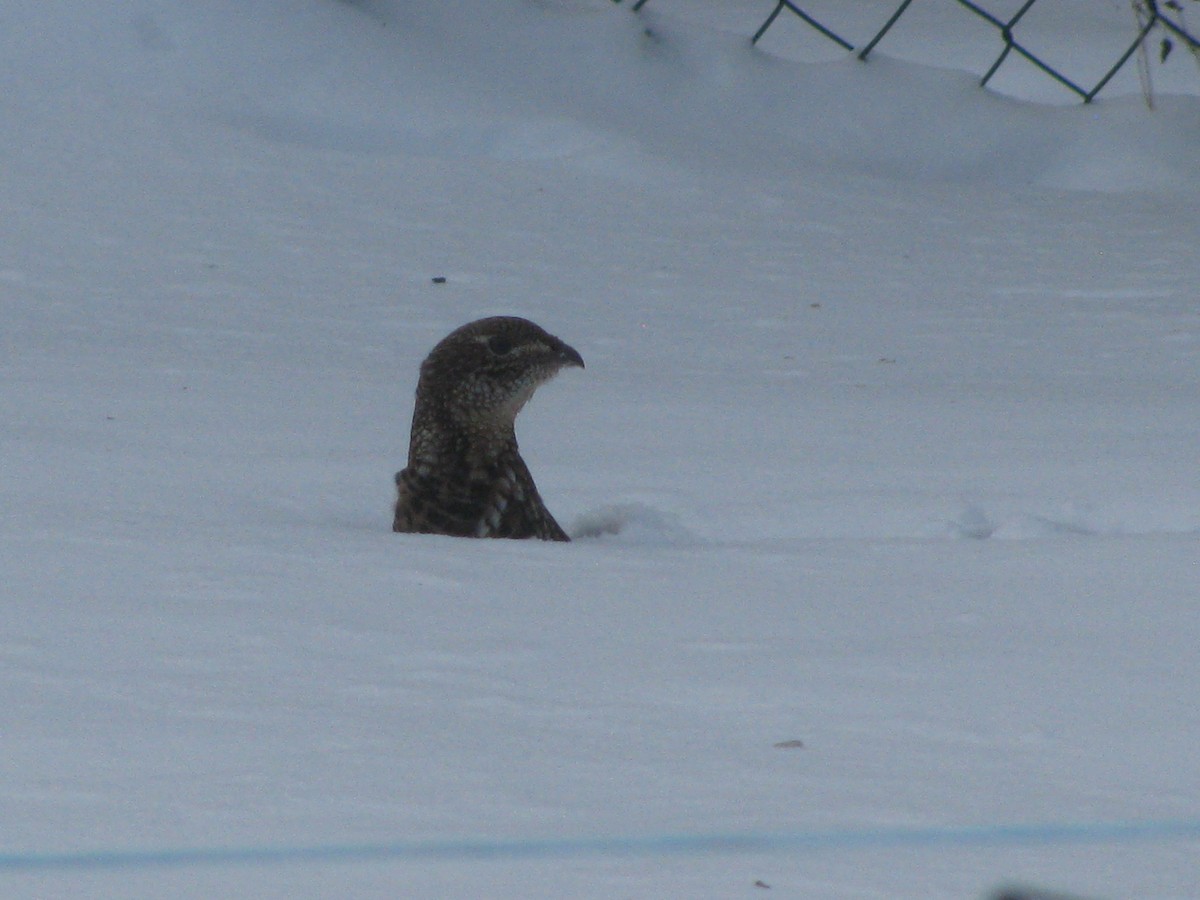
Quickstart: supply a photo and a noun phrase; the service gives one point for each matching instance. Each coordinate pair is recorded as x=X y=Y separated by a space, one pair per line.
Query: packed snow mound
x=633 y=523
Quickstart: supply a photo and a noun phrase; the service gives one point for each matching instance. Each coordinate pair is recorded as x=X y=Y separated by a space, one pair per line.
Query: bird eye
x=499 y=345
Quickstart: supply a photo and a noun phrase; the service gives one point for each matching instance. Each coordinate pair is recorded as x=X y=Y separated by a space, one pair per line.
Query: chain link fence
x=1150 y=16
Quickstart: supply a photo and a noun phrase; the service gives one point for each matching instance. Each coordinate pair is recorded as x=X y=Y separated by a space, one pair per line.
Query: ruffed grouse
x=465 y=475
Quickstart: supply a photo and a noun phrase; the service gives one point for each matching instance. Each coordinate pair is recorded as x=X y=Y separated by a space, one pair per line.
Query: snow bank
x=885 y=446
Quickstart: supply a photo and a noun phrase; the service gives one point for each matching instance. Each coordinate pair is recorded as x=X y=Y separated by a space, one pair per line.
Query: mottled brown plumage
x=465 y=475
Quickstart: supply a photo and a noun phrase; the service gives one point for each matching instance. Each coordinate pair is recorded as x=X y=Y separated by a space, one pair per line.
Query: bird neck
x=440 y=440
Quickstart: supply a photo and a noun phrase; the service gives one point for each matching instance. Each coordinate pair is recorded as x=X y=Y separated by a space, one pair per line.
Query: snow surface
x=886 y=445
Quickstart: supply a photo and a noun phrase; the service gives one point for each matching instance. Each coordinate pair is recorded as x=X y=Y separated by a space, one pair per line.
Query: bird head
x=481 y=374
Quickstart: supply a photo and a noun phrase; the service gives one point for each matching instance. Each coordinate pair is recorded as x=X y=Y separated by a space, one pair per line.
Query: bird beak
x=570 y=356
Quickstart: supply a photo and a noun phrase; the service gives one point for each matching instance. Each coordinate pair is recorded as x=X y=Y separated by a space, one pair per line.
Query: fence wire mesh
x=1149 y=14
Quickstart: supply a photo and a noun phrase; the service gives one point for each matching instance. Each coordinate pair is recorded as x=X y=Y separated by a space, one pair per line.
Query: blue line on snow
x=662 y=845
